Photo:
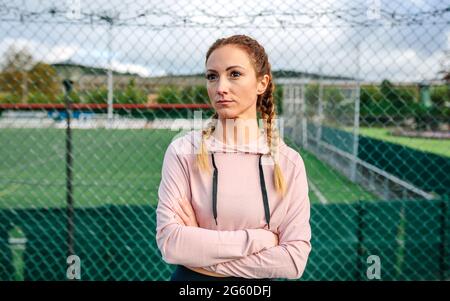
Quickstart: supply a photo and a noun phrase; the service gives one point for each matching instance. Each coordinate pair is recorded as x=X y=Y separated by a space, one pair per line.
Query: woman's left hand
x=186 y=214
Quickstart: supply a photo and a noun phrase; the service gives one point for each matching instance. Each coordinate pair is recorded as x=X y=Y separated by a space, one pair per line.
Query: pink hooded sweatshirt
x=242 y=243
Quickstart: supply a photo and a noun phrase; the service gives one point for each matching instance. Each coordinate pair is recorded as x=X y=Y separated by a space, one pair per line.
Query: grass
x=335 y=187
x=435 y=146
x=111 y=167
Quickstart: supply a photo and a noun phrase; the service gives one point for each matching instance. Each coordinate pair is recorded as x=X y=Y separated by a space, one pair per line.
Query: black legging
x=182 y=273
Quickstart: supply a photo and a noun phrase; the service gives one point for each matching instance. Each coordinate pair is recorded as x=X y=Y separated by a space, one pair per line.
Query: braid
x=202 y=156
x=268 y=114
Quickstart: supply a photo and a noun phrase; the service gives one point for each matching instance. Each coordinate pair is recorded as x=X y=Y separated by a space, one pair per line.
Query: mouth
x=224 y=101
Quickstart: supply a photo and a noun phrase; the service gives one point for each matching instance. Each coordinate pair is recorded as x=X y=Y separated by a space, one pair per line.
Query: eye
x=236 y=72
x=208 y=76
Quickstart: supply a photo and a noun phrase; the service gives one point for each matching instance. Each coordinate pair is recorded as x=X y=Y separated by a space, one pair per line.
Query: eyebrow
x=227 y=68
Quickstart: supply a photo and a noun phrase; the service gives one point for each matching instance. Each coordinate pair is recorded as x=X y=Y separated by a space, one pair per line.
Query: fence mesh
x=92 y=94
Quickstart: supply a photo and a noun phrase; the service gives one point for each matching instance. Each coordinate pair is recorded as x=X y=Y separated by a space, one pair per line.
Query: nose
x=222 y=87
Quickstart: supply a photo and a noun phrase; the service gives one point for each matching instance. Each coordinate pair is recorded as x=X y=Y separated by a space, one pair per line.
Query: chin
x=226 y=114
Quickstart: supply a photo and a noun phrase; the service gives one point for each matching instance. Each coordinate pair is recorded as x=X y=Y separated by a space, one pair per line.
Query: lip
x=224 y=101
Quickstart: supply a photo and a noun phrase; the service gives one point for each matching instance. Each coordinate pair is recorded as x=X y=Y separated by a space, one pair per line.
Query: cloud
x=403 y=53
x=74 y=53
x=400 y=65
x=132 y=68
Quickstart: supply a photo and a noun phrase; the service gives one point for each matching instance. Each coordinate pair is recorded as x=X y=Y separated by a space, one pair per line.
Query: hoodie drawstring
x=263 y=191
x=214 y=188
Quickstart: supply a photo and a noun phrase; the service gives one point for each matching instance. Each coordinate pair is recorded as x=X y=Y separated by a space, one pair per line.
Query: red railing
x=87 y=106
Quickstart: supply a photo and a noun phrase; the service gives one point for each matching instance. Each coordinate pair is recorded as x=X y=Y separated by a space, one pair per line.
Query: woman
x=233 y=199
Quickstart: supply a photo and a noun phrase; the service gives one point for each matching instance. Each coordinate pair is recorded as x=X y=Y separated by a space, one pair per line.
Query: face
x=230 y=77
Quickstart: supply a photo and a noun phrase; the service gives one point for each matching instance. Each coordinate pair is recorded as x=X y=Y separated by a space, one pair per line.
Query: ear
x=262 y=84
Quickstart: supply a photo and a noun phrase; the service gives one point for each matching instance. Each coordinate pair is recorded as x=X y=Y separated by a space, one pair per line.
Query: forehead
x=226 y=56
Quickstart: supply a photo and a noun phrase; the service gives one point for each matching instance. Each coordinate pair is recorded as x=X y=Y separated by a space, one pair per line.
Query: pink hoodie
x=241 y=244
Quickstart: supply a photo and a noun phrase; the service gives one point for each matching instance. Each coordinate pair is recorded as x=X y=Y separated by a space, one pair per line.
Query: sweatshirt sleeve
x=194 y=246
x=289 y=258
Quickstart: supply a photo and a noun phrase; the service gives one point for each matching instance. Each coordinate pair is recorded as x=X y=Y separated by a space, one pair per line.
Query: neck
x=237 y=131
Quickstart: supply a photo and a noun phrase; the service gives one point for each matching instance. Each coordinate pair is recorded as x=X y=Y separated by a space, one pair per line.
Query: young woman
x=233 y=199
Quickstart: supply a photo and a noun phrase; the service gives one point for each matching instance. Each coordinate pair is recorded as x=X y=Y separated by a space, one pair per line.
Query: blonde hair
x=264 y=105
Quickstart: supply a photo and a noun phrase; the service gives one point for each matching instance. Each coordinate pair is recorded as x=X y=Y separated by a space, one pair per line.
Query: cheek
x=247 y=93
x=212 y=95
x=211 y=91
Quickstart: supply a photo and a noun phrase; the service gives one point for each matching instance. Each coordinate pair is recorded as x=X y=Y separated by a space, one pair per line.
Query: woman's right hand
x=276 y=239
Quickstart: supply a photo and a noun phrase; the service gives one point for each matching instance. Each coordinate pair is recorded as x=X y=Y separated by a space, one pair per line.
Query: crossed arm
x=285 y=259
x=181 y=241
x=249 y=253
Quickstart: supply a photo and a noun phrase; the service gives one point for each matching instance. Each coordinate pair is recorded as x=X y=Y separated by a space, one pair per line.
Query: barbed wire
x=265 y=18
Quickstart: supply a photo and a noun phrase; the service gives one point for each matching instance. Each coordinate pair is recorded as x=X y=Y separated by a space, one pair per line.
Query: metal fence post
x=69 y=195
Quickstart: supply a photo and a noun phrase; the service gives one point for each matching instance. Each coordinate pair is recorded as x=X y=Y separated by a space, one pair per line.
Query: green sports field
x=113 y=167
x=439 y=147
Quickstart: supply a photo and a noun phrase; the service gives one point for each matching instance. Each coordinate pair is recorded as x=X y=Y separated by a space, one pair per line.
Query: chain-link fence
x=91 y=95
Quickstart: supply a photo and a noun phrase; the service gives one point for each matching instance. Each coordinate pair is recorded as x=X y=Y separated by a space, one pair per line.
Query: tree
x=44 y=80
x=24 y=79
x=14 y=77
x=17 y=60
x=168 y=94
x=387 y=90
x=131 y=94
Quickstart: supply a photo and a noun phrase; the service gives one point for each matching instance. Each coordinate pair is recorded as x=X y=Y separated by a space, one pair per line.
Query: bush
x=200 y=94
x=439 y=112
x=440 y=95
x=74 y=97
x=9 y=98
x=278 y=99
x=169 y=94
x=38 y=97
x=97 y=96
x=370 y=99
x=381 y=105
x=131 y=94
x=192 y=94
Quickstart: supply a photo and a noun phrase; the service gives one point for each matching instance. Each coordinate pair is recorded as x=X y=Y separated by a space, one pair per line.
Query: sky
x=320 y=42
